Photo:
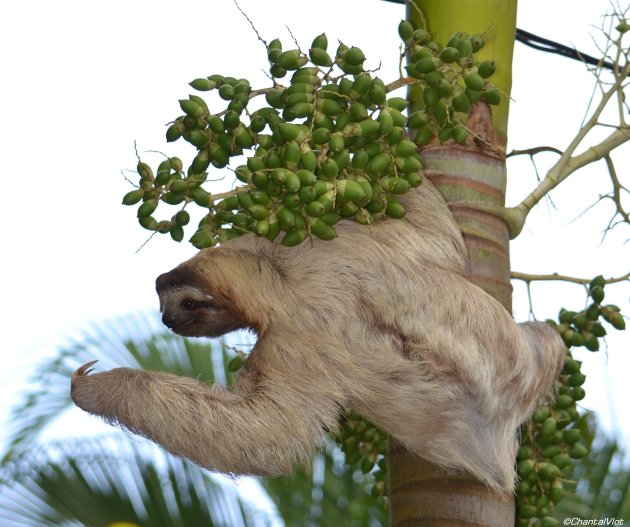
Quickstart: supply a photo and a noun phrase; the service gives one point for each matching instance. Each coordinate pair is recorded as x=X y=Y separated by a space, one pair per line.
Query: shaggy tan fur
x=380 y=320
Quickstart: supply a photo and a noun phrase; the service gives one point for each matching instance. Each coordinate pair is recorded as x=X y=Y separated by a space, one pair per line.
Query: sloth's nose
x=168 y=320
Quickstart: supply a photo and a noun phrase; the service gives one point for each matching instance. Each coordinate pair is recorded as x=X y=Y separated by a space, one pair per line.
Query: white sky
x=83 y=80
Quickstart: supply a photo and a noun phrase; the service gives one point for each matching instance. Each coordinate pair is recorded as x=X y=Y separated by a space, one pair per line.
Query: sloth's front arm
x=273 y=419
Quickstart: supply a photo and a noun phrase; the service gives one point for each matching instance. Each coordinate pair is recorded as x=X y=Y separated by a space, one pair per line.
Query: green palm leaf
x=81 y=482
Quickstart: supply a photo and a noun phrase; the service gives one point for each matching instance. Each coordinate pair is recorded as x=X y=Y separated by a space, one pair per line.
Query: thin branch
x=250 y=23
x=533 y=151
x=528 y=278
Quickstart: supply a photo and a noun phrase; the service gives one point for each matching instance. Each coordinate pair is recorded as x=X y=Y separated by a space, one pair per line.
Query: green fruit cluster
x=451 y=80
x=558 y=433
x=365 y=447
x=330 y=143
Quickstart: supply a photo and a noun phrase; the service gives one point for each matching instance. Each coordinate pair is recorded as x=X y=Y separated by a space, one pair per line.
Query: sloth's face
x=191 y=311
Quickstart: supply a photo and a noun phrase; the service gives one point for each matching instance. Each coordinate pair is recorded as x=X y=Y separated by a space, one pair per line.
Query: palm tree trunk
x=472 y=178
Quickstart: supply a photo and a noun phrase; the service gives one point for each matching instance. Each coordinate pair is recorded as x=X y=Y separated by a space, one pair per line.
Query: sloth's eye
x=189 y=304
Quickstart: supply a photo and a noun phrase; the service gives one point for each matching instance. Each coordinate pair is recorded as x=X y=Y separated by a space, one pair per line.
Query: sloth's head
x=190 y=308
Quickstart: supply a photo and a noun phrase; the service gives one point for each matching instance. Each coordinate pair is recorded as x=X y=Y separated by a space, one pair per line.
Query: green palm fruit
x=133 y=197
x=351 y=191
x=427 y=64
x=329 y=169
x=307 y=194
x=292 y=153
x=192 y=108
x=149 y=223
x=461 y=103
x=430 y=96
x=421 y=36
x=203 y=84
x=548 y=427
x=460 y=134
x=398 y=103
x=200 y=162
x=289 y=60
x=308 y=161
x=572 y=366
x=322 y=230
x=361 y=84
x=597 y=294
x=477 y=42
x=358 y=111
x=315 y=209
x=292 y=182
x=277 y=72
x=342 y=158
x=577 y=379
x=226 y=92
x=174 y=132
x=354 y=56
x=590 y=341
x=414 y=179
x=243 y=137
x=145 y=171
x=147 y=208
x=417 y=120
x=444 y=88
x=320 y=136
x=561 y=460
x=378 y=94
x=525 y=467
x=303 y=109
x=578 y=451
x=597 y=329
x=220 y=157
x=578 y=393
x=386 y=123
x=320 y=57
x=548 y=471
x=176 y=232
x=474 y=81
x=405 y=148
x=394 y=209
x=286 y=218
x=409 y=164
x=257 y=211
x=486 y=68
x=492 y=96
x=294 y=237
x=306 y=177
x=320 y=41
x=337 y=142
x=571 y=436
x=424 y=136
x=465 y=47
x=564 y=401
x=201 y=198
x=259 y=197
x=329 y=106
x=598 y=281
x=274 y=98
x=449 y=55
x=197 y=138
x=179 y=186
x=378 y=163
x=405 y=30
x=473 y=95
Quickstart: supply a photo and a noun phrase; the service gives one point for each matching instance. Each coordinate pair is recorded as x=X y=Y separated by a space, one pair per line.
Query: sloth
x=380 y=320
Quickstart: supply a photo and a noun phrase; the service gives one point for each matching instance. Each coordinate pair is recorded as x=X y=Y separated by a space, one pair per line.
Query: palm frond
x=82 y=483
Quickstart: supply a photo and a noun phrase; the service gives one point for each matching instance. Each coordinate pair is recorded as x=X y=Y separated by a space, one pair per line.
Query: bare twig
x=555 y=277
x=250 y=23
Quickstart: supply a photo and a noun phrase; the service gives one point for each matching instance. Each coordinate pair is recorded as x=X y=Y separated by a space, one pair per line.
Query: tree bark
x=472 y=178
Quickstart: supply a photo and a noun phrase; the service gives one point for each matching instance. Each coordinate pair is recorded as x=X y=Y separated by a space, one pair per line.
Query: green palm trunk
x=472 y=178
